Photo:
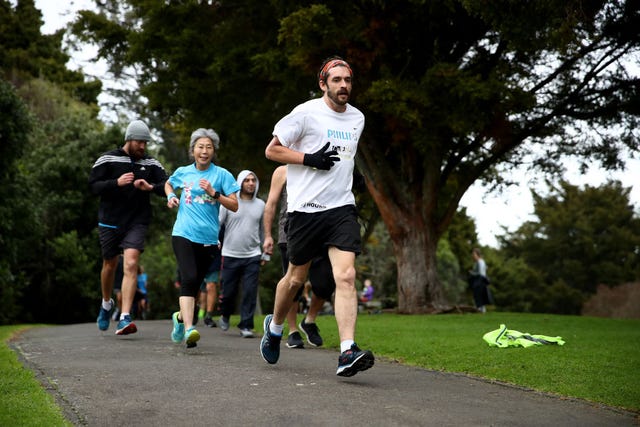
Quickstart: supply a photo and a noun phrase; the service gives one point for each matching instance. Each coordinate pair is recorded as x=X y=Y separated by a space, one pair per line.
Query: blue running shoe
x=126 y=326
x=270 y=343
x=104 y=316
x=177 y=335
x=353 y=361
x=192 y=337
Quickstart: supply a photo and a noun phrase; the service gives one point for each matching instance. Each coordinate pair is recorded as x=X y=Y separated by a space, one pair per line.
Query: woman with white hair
x=204 y=187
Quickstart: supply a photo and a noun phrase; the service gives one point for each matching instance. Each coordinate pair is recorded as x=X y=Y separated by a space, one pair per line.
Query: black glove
x=321 y=159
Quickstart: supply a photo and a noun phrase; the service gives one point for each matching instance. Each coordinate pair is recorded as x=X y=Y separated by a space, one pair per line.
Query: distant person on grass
x=318 y=141
x=367 y=292
x=479 y=282
x=124 y=178
x=205 y=186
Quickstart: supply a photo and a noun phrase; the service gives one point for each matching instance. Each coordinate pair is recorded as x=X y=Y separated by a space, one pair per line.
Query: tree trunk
x=419 y=290
x=414 y=245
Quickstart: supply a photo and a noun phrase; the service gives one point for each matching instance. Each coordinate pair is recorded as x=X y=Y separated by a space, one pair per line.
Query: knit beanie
x=204 y=133
x=137 y=130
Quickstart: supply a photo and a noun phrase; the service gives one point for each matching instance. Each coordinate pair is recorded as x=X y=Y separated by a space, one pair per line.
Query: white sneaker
x=246 y=333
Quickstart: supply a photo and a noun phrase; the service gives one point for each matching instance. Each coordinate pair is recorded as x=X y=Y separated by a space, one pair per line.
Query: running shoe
x=246 y=333
x=270 y=343
x=126 y=326
x=192 y=336
x=294 y=340
x=353 y=361
x=104 y=316
x=312 y=332
x=177 y=334
x=209 y=322
x=224 y=323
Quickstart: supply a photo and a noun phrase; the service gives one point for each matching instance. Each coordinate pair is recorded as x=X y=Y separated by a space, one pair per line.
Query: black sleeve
x=159 y=179
x=99 y=182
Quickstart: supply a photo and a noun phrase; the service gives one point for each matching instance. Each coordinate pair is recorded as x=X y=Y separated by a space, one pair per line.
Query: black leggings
x=194 y=260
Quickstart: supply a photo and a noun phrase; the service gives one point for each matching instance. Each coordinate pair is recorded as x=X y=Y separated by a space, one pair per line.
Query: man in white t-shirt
x=318 y=141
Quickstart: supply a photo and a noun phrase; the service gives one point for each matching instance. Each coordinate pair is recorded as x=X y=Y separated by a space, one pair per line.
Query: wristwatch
x=216 y=195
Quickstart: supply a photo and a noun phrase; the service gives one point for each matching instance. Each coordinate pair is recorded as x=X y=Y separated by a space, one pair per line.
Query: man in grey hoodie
x=242 y=253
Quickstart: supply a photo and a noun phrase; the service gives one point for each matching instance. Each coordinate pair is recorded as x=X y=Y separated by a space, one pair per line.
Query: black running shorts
x=310 y=234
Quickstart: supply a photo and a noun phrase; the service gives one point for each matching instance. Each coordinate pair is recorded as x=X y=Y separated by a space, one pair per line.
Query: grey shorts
x=114 y=240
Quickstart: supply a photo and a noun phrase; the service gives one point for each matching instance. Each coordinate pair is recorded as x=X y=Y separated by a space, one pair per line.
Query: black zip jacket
x=125 y=206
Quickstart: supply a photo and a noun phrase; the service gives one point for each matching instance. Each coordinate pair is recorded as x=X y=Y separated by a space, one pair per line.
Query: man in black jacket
x=124 y=179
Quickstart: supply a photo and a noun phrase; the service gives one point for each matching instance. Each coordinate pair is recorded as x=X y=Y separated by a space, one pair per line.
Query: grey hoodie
x=243 y=234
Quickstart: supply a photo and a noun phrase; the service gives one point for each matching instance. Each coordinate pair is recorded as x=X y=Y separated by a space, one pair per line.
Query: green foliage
x=73 y=284
x=582 y=238
x=52 y=232
x=25 y=53
x=11 y=292
x=190 y=55
x=377 y=262
x=15 y=125
x=450 y=274
x=462 y=237
x=160 y=265
x=515 y=286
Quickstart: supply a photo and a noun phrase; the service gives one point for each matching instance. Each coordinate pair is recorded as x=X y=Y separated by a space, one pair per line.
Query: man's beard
x=334 y=96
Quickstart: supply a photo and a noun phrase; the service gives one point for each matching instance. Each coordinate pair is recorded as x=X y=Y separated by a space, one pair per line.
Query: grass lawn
x=600 y=360
x=24 y=402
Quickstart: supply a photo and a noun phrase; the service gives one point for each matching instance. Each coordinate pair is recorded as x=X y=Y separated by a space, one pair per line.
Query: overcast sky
x=490 y=211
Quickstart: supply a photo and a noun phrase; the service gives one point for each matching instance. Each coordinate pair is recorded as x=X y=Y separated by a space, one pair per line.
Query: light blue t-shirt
x=198 y=212
x=142 y=283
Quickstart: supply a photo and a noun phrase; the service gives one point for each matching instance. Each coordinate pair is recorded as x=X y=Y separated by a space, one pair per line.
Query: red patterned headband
x=324 y=73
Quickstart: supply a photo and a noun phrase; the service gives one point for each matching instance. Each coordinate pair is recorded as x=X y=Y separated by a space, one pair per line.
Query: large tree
x=581 y=238
x=453 y=91
x=26 y=53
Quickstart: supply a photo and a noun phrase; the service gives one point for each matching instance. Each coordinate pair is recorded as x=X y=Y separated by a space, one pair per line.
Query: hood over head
x=242 y=175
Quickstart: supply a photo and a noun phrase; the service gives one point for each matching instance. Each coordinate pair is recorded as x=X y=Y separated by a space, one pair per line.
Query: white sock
x=346 y=345
x=275 y=329
x=122 y=315
x=107 y=305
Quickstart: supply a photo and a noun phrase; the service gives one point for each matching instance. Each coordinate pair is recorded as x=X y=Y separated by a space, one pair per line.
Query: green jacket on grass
x=504 y=337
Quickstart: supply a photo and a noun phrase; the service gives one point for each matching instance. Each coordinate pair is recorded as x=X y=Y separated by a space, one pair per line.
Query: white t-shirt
x=307 y=129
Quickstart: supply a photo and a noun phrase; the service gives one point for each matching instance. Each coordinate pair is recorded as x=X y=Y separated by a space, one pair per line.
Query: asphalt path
x=143 y=379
